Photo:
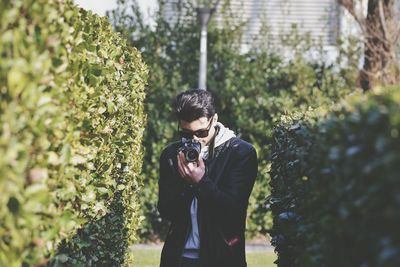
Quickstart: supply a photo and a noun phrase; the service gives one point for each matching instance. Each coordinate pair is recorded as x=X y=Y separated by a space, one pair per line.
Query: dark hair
x=193 y=104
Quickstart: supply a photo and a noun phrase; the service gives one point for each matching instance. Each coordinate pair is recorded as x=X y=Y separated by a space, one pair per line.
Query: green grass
x=261 y=259
x=151 y=258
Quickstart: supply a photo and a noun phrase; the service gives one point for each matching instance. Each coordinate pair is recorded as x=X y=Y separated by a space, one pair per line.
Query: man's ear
x=215 y=118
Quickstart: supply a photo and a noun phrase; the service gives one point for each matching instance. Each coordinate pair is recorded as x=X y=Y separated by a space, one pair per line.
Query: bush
x=72 y=120
x=252 y=90
x=335 y=187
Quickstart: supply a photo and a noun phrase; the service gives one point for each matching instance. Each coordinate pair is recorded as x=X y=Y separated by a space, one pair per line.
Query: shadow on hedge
x=102 y=242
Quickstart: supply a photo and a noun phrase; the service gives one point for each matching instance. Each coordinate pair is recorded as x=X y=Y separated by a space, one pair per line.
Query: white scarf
x=223 y=135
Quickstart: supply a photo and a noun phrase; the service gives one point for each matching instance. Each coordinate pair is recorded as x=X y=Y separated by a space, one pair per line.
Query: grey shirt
x=192 y=245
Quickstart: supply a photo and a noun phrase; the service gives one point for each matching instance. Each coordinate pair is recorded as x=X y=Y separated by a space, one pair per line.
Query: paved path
x=249 y=247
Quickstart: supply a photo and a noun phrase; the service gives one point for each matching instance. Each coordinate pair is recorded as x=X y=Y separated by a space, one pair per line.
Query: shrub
x=335 y=184
x=72 y=120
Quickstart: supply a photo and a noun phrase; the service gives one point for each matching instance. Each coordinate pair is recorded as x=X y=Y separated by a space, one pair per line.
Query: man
x=205 y=200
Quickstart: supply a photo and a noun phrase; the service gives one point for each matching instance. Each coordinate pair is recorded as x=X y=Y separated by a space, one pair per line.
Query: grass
x=151 y=258
x=261 y=259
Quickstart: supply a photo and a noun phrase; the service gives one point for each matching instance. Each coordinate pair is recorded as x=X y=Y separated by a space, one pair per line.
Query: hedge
x=335 y=184
x=72 y=120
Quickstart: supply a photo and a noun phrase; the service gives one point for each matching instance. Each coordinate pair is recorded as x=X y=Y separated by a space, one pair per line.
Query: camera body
x=190 y=149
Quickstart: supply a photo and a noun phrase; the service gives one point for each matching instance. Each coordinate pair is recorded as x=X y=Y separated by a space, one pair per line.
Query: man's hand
x=192 y=172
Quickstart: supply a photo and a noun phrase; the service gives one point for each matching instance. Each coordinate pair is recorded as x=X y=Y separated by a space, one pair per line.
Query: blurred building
x=321 y=19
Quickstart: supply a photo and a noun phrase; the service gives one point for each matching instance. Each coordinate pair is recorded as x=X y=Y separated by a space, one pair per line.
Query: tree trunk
x=380 y=43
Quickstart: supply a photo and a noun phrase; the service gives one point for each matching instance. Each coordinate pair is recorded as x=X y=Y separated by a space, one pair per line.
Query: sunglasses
x=199 y=133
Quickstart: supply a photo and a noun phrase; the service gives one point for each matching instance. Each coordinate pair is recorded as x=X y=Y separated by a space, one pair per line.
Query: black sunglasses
x=199 y=133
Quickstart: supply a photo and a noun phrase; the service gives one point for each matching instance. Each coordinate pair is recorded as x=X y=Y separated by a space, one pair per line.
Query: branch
x=382 y=19
x=349 y=5
x=397 y=36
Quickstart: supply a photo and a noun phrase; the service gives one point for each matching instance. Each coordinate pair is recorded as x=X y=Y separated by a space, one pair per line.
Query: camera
x=190 y=148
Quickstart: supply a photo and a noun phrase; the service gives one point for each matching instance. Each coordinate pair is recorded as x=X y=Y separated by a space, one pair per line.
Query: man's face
x=198 y=126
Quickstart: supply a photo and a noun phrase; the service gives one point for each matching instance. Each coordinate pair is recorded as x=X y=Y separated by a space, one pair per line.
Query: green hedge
x=335 y=184
x=72 y=120
x=252 y=90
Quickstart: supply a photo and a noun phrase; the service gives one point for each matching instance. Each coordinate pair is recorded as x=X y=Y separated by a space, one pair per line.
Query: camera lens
x=192 y=155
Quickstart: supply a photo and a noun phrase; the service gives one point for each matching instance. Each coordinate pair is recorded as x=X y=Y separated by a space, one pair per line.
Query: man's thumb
x=201 y=162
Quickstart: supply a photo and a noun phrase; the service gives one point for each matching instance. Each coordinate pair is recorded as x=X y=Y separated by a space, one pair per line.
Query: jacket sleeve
x=172 y=195
x=233 y=198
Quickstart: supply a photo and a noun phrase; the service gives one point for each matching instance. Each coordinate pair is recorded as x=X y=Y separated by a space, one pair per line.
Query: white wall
x=100 y=7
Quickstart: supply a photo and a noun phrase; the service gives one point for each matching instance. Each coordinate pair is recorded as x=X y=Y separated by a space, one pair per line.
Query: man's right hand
x=192 y=172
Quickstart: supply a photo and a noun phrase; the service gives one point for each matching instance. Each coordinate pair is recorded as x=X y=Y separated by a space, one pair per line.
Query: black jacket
x=222 y=194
